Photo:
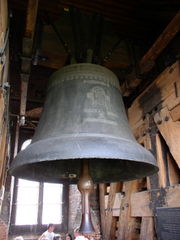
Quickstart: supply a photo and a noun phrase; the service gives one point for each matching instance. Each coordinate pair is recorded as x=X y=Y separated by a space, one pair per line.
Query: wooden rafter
x=148 y=60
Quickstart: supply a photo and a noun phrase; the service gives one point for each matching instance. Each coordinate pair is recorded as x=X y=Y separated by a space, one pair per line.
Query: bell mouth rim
x=37 y=154
x=17 y=172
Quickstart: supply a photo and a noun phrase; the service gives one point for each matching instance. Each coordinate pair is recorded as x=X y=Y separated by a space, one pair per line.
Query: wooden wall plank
x=140 y=204
x=173 y=196
x=117 y=204
x=175 y=113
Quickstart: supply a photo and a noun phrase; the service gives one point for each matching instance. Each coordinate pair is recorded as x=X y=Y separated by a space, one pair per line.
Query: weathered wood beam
x=127 y=224
x=4 y=93
x=148 y=60
x=117 y=204
x=2 y=105
x=24 y=90
x=3 y=21
x=141 y=201
x=53 y=60
x=109 y=230
x=31 y=18
x=27 y=54
x=140 y=204
x=34 y=113
x=147 y=229
x=170 y=131
x=3 y=149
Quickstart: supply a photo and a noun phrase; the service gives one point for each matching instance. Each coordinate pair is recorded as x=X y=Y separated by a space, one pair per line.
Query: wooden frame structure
x=154 y=117
x=128 y=209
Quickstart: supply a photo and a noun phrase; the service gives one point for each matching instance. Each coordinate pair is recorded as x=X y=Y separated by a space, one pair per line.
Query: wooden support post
x=147 y=222
x=147 y=229
x=2 y=106
x=127 y=224
x=109 y=223
x=3 y=148
x=161 y=162
x=24 y=90
x=27 y=54
x=3 y=21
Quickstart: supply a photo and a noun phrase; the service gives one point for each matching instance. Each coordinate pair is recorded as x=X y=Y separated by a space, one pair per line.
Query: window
x=36 y=204
x=52 y=203
x=27 y=202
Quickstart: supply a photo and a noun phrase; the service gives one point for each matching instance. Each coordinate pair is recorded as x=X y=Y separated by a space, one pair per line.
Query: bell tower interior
x=90 y=119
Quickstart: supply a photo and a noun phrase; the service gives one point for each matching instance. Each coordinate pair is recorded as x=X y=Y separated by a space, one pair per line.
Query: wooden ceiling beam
x=27 y=54
x=114 y=13
x=148 y=60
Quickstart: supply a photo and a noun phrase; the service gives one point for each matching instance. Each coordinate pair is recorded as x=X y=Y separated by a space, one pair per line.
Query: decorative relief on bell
x=98 y=106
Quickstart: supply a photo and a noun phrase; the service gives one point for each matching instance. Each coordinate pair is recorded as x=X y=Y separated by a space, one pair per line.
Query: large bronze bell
x=83 y=118
x=83 y=136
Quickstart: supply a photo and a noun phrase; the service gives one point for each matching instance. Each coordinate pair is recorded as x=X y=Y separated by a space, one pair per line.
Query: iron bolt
x=166 y=118
x=159 y=122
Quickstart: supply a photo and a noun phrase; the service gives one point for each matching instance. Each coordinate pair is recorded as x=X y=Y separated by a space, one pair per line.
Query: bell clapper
x=85 y=186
